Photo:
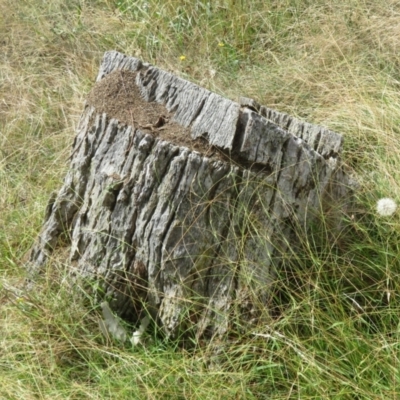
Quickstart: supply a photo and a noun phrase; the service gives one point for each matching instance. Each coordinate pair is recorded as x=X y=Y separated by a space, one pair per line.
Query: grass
x=333 y=63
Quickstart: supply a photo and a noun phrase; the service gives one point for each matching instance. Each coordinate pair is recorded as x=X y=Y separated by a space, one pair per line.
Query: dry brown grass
x=334 y=63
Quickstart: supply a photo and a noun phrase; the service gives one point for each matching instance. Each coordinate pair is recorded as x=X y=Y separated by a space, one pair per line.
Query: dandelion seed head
x=386 y=207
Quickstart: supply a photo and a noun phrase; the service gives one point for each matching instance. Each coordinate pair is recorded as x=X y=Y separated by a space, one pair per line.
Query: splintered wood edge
x=242 y=126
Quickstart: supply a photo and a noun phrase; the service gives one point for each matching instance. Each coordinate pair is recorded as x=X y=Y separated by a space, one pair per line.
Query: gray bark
x=191 y=240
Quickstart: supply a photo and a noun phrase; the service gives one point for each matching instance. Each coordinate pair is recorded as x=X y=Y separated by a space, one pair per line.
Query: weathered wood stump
x=182 y=203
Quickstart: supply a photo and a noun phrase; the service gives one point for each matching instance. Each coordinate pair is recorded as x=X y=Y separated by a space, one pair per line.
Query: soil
x=119 y=97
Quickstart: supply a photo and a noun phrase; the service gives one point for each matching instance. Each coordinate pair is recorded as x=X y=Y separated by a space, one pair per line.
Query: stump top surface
x=118 y=95
x=133 y=91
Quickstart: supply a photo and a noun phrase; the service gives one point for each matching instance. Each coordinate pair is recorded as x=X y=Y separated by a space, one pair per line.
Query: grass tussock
x=336 y=334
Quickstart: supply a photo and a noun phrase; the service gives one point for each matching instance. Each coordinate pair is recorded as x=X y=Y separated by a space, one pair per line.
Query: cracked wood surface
x=174 y=233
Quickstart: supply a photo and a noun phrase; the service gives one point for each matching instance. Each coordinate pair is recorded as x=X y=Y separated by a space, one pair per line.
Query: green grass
x=336 y=330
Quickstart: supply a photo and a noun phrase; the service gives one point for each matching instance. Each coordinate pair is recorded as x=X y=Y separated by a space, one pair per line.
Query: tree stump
x=181 y=203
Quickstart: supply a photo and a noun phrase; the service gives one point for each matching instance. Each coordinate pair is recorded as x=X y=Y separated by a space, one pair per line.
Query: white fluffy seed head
x=386 y=207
